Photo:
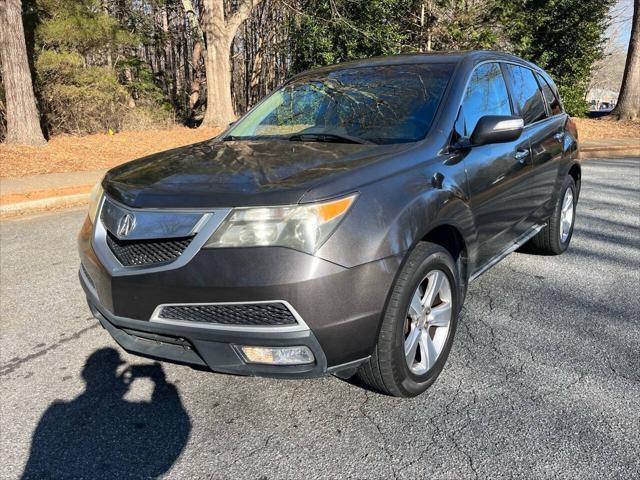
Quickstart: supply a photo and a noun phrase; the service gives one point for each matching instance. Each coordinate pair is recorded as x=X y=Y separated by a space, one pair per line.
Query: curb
x=589 y=153
x=43 y=204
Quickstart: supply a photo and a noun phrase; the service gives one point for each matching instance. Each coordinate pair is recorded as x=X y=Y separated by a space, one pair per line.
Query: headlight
x=94 y=200
x=301 y=227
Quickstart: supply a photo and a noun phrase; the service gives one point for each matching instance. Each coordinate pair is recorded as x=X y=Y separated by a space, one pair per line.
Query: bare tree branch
x=240 y=15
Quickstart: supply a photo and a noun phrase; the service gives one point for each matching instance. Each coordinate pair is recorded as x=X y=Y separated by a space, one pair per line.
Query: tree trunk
x=219 y=111
x=219 y=34
x=23 y=121
x=628 y=106
x=194 y=91
x=198 y=51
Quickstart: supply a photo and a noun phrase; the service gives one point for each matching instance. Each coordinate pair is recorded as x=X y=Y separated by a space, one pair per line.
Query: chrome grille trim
x=208 y=222
x=151 y=224
x=299 y=326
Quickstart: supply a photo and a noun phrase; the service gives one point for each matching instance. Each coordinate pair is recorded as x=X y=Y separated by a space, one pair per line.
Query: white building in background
x=602 y=99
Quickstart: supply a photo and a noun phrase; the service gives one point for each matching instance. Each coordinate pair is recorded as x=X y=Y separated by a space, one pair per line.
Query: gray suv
x=335 y=227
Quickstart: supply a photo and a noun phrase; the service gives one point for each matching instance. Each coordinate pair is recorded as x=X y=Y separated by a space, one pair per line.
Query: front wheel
x=555 y=237
x=418 y=325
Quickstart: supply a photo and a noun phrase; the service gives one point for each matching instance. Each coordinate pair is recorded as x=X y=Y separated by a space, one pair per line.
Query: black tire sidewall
x=557 y=218
x=434 y=258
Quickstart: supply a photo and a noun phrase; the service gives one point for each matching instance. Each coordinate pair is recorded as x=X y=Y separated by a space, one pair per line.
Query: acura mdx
x=335 y=227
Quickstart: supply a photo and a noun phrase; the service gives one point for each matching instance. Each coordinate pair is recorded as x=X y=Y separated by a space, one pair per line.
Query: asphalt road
x=543 y=380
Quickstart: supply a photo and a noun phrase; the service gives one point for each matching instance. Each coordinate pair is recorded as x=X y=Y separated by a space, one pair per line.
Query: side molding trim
x=520 y=241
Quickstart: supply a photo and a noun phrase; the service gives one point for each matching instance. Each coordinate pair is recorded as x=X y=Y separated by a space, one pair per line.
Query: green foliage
x=565 y=37
x=78 y=99
x=88 y=76
x=139 y=80
x=57 y=67
x=331 y=31
x=460 y=24
x=81 y=25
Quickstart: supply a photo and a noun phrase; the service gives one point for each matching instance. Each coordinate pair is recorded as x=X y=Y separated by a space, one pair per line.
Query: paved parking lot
x=543 y=380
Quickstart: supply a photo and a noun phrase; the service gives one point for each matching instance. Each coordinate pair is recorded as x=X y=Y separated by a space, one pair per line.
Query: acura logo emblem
x=126 y=224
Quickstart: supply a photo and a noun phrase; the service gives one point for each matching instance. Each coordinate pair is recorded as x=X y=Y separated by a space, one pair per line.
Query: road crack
x=380 y=433
x=16 y=363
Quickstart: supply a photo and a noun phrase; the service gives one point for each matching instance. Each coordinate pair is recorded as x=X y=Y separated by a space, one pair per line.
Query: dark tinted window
x=549 y=96
x=486 y=95
x=381 y=104
x=526 y=94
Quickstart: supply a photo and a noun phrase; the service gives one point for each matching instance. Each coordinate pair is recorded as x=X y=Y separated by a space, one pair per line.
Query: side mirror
x=496 y=129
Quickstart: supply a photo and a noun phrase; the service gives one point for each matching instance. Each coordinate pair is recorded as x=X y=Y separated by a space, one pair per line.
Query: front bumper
x=341 y=307
x=205 y=348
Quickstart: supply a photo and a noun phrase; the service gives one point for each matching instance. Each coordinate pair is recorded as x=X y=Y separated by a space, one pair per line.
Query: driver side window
x=486 y=95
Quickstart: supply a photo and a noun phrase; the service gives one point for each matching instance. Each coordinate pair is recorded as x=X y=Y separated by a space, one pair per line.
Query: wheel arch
x=450 y=237
x=575 y=171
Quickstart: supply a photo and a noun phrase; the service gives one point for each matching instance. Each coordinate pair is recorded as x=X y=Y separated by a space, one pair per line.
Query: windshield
x=379 y=104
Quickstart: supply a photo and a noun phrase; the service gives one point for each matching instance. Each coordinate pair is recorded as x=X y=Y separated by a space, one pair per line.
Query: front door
x=498 y=174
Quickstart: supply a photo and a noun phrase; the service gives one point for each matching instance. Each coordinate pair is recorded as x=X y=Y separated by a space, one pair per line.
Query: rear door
x=545 y=133
x=547 y=167
x=498 y=174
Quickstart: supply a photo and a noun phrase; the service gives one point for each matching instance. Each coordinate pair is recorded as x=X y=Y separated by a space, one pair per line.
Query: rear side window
x=526 y=94
x=549 y=96
x=486 y=95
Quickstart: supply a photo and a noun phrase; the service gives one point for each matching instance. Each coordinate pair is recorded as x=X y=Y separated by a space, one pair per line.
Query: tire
x=551 y=240
x=388 y=370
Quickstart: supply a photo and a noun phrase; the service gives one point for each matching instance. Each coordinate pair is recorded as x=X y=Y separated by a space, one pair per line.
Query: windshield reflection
x=375 y=104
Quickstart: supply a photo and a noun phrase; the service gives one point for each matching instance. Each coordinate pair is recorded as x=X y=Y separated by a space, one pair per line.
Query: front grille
x=259 y=314
x=147 y=252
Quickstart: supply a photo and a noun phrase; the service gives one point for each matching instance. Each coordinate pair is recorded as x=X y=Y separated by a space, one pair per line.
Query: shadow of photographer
x=99 y=434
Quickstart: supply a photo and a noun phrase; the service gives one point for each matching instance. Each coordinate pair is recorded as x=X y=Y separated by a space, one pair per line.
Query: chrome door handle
x=521 y=156
x=559 y=136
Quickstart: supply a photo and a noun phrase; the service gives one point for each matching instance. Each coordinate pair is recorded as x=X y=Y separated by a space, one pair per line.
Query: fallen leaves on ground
x=93 y=152
x=606 y=128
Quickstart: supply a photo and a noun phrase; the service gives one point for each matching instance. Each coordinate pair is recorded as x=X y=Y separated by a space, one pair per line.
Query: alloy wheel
x=428 y=321
x=566 y=215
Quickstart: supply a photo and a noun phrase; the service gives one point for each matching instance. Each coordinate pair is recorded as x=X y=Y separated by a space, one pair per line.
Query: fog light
x=278 y=355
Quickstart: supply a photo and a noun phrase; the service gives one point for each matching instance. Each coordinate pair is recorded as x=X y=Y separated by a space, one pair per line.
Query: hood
x=234 y=173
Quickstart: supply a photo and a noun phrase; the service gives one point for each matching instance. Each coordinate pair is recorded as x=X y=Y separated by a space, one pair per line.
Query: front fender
x=391 y=216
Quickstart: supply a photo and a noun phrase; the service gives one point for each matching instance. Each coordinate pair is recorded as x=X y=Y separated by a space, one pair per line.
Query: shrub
x=148 y=117
x=80 y=100
x=83 y=109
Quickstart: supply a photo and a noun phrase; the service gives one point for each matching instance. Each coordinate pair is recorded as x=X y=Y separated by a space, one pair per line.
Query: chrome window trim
x=534 y=71
x=501 y=61
x=204 y=228
x=468 y=82
x=300 y=327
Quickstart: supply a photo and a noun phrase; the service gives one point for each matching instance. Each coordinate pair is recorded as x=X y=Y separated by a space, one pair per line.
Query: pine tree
x=23 y=121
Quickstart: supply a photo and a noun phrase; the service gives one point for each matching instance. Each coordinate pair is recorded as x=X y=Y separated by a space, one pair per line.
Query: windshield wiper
x=327 y=137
